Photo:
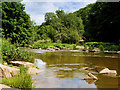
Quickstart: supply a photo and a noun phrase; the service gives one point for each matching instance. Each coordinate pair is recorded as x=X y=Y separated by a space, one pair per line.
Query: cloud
x=37 y=10
x=59 y=1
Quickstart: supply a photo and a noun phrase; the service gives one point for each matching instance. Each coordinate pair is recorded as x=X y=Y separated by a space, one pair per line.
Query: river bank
x=104 y=47
x=12 y=70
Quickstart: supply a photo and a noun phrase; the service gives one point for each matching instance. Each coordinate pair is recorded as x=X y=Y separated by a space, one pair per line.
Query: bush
x=45 y=45
x=23 y=80
x=11 y=52
x=103 y=45
x=101 y=48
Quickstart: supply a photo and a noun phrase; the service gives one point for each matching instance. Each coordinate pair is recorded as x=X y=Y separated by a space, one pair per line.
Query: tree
x=101 y=21
x=16 y=23
x=59 y=26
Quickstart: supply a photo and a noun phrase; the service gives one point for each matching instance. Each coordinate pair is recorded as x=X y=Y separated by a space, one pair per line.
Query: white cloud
x=59 y=1
x=37 y=10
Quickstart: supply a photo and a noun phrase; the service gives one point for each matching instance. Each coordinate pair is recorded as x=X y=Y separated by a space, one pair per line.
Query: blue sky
x=37 y=9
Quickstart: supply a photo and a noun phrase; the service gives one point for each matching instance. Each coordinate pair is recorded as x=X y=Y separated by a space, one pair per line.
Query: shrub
x=11 y=52
x=101 y=48
x=22 y=81
x=103 y=45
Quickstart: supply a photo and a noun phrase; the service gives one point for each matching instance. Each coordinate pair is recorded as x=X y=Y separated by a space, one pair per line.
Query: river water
x=63 y=69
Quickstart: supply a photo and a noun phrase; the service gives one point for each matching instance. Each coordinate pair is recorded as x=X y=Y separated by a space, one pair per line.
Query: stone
x=3 y=86
x=107 y=71
x=90 y=76
x=7 y=71
x=84 y=68
x=51 y=49
x=118 y=51
x=56 y=49
x=19 y=63
x=96 y=49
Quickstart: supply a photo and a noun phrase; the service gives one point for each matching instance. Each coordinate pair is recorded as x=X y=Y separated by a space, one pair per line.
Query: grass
x=21 y=81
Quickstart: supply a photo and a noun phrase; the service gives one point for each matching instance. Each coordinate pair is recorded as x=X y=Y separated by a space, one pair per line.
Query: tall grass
x=21 y=81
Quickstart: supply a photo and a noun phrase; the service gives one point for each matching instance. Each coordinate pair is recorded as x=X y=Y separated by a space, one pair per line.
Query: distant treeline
x=101 y=21
x=96 y=22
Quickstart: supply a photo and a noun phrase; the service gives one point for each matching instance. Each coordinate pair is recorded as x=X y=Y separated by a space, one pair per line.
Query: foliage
x=103 y=45
x=45 y=45
x=16 y=24
x=101 y=20
x=11 y=52
x=67 y=28
x=21 y=81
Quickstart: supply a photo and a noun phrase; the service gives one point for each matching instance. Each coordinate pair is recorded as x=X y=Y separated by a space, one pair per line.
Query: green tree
x=16 y=23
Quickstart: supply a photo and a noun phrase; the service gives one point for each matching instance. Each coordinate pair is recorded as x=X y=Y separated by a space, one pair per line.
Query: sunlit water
x=62 y=69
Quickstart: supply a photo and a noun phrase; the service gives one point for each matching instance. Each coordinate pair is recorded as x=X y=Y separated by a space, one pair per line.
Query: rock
x=90 y=76
x=56 y=49
x=118 y=51
x=7 y=71
x=96 y=49
x=84 y=68
x=19 y=63
x=33 y=70
x=80 y=47
x=90 y=50
x=115 y=52
x=3 y=86
x=51 y=49
x=52 y=65
x=5 y=63
x=107 y=71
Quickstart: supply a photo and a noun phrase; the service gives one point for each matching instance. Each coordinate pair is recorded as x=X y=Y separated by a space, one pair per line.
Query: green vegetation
x=16 y=24
x=92 y=23
x=102 y=46
x=62 y=27
x=96 y=23
x=11 y=52
x=21 y=81
x=101 y=21
x=44 y=45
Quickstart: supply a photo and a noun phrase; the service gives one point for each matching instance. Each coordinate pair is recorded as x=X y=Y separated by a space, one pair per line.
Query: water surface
x=62 y=69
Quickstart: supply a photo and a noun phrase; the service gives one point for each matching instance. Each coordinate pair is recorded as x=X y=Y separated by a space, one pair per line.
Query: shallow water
x=62 y=69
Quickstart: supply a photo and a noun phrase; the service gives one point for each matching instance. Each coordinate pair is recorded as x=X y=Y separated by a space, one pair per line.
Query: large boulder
x=19 y=63
x=7 y=71
x=90 y=76
x=107 y=71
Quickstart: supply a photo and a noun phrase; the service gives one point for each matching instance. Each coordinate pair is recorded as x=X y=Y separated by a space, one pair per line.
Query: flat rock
x=107 y=71
x=7 y=71
x=84 y=68
x=19 y=63
x=90 y=76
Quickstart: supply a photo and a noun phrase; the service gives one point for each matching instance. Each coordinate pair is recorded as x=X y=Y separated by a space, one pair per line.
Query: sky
x=37 y=8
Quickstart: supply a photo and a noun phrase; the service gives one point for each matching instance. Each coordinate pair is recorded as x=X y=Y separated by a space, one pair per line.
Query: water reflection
x=63 y=70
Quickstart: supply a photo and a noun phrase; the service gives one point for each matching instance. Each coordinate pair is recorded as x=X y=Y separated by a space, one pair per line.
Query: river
x=62 y=69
